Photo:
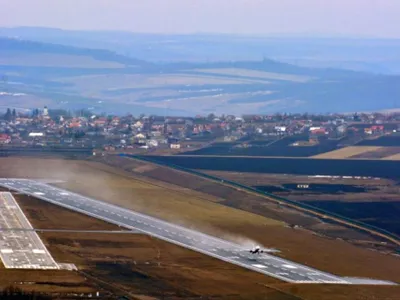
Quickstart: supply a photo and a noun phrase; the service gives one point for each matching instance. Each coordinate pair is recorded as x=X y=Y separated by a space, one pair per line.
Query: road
x=224 y=250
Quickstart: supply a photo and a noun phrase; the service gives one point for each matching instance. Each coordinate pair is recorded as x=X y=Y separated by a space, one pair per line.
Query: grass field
x=347 y=152
x=256 y=74
x=392 y=157
x=122 y=81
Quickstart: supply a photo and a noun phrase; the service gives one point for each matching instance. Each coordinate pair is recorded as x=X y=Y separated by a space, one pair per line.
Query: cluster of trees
x=12 y=292
x=10 y=115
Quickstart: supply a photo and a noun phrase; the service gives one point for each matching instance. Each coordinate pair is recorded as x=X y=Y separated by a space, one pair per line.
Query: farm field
x=114 y=82
x=371 y=201
x=255 y=74
x=364 y=152
x=347 y=152
x=393 y=157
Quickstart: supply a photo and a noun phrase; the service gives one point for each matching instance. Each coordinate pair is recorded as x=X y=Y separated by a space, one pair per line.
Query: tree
x=129 y=128
x=211 y=117
x=35 y=113
x=8 y=115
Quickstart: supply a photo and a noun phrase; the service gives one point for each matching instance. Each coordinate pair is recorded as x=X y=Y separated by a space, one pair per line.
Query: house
x=320 y=131
x=152 y=143
x=115 y=121
x=100 y=121
x=75 y=124
x=5 y=139
x=280 y=128
x=175 y=146
x=138 y=125
x=36 y=134
x=140 y=136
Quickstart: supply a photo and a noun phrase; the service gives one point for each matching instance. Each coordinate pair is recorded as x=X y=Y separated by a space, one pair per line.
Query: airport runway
x=227 y=251
x=20 y=249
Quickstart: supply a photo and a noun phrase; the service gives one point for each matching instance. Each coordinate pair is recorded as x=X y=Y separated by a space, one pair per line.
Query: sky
x=356 y=18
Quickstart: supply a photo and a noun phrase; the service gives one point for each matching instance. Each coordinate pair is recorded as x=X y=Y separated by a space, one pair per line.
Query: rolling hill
x=102 y=80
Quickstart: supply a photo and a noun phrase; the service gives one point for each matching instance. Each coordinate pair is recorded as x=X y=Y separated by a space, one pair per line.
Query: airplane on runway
x=256 y=250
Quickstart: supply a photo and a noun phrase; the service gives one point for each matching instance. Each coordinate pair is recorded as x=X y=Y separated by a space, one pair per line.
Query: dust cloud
x=74 y=174
x=92 y=179
x=243 y=241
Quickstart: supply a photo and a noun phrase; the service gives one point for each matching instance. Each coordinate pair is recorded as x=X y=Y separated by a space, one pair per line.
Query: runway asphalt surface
x=227 y=251
x=20 y=249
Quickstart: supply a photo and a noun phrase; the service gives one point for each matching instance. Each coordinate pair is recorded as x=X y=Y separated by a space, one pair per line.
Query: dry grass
x=392 y=157
x=347 y=152
x=109 y=184
x=139 y=264
x=333 y=255
x=336 y=292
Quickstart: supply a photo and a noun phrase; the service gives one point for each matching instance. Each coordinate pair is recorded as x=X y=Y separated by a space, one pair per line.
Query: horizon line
x=254 y=35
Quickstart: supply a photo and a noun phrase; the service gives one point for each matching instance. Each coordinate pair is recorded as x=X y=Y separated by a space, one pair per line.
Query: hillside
x=12 y=50
x=102 y=80
x=363 y=54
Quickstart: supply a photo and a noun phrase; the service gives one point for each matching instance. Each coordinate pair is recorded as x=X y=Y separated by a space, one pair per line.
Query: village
x=54 y=128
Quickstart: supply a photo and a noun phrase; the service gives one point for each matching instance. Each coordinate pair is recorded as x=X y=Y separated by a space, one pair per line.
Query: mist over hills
x=65 y=76
x=362 y=54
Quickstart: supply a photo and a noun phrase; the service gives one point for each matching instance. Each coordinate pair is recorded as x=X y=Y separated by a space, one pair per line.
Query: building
x=36 y=134
x=5 y=139
x=45 y=112
x=175 y=146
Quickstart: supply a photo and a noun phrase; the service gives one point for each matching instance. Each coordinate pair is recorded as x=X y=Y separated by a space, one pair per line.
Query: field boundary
x=280 y=200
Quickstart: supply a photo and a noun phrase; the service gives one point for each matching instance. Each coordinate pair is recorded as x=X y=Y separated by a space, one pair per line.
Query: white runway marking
x=21 y=249
x=259 y=266
x=289 y=266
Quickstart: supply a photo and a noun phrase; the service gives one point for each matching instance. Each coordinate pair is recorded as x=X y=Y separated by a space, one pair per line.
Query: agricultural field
x=372 y=201
x=362 y=152
x=347 y=152
x=255 y=74
x=393 y=157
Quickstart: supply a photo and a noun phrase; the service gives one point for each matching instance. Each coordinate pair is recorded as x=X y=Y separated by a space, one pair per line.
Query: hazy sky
x=377 y=18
